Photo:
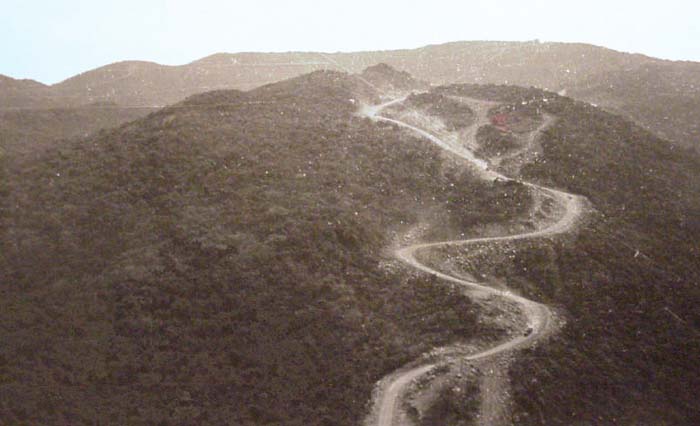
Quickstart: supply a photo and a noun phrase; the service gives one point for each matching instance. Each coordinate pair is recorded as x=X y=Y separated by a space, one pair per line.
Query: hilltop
x=386 y=78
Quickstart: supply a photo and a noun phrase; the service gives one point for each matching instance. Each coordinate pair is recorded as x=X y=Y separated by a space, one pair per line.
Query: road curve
x=538 y=315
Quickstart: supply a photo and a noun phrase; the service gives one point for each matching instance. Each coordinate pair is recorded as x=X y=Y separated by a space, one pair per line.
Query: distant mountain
x=138 y=83
x=23 y=93
x=662 y=96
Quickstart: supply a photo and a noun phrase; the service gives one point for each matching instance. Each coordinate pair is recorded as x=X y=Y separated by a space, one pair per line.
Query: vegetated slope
x=535 y=318
x=660 y=95
x=627 y=283
x=219 y=262
x=454 y=114
x=28 y=131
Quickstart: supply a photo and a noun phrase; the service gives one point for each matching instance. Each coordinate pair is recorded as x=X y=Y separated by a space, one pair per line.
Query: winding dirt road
x=538 y=315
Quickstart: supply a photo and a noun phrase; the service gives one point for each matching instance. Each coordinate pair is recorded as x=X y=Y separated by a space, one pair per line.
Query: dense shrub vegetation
x=494 y=142
x=218 y=262
x=455 y=114
x=27 y=131
x=627 y=282
x=455 y=406
x=222 y=261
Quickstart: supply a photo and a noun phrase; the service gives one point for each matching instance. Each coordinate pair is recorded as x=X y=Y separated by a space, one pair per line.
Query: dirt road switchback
x=538 y=316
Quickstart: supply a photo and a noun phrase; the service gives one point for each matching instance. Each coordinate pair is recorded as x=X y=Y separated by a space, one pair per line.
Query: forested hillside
x=227 y=260
x=28 y=132
x=627 y=283
x=220 y=262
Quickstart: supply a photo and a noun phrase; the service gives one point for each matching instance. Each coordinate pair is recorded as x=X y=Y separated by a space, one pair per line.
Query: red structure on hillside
x=500 y=120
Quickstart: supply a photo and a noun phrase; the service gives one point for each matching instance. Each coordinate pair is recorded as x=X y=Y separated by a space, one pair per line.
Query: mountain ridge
x=662 y=95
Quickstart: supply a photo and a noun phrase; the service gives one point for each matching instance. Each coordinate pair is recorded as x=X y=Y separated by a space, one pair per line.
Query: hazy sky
x=50 y=40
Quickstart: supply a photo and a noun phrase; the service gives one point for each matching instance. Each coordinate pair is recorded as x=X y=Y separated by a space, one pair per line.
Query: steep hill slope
x=221 y=261
x=27 y=132
x=628 y=281
x=225 y=260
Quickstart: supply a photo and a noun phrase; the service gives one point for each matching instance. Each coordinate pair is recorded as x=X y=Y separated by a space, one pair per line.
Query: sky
x=51 y=40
